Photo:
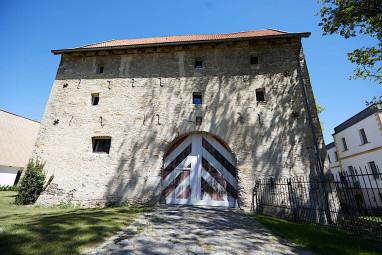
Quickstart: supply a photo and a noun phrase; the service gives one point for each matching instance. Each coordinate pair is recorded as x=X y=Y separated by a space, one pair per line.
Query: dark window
x=100 y=69
x=260 y=95
x=95 y=98
x=254 y=61
x=336 y=156
x=345 y=147
x=101 y=144
x=374 y=169
x=198 y=63
x=363 y=136
x=197 y=98
x=352 y=174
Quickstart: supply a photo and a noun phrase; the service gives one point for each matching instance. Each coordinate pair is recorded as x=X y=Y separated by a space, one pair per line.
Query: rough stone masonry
x=137 y=95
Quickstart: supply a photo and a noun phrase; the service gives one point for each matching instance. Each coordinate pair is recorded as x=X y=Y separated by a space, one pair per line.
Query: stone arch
x=199 y=169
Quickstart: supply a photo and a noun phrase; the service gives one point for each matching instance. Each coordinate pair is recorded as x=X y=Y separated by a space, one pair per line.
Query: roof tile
x=184 y=38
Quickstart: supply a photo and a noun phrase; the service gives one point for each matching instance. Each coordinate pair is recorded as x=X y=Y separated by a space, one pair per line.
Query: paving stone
x=174 y=229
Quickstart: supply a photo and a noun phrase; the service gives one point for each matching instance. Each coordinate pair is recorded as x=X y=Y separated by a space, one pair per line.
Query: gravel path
x=173 y=229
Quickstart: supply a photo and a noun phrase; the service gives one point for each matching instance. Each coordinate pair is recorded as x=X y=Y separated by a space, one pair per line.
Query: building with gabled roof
x=191 y=119
x=17 y=139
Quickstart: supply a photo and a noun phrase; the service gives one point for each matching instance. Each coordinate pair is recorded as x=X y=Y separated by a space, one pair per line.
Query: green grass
x=321 y=239
x=55 y=230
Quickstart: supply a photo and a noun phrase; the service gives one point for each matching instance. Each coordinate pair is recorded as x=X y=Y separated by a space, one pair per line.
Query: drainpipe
x=318 y=155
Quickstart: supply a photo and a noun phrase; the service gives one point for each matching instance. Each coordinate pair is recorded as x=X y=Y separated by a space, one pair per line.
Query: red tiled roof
x=184 y=38
x=181 y=39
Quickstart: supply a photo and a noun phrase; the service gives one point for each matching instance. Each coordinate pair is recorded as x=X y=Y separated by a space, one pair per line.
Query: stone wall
x=146 y=105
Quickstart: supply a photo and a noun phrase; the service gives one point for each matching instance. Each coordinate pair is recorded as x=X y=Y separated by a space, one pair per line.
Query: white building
x=17 y=138
x=356 y=151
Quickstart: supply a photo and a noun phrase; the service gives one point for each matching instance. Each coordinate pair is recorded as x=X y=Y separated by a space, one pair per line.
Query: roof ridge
x=190 y=35
x=86 y=45
x=277 y=30
x=19 y=116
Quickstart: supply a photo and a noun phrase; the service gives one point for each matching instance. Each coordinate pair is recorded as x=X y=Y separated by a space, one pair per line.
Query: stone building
x=191 y=119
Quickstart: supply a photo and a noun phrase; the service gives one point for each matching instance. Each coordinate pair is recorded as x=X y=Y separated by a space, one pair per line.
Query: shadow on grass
x=321 y=239
x=64 y=232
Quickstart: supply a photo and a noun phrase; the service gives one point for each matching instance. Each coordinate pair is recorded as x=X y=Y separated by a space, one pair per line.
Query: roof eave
x=305 y=34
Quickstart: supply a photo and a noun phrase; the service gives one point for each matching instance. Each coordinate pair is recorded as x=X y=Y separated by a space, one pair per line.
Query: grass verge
x=321 y=239
x=55 y=230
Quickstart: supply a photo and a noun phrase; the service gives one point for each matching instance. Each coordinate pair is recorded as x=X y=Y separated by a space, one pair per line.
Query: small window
x=95 y=98
x=362 y=135
x=344 y=145
x=197 y=98
x=260 y=95
x=254 y=60
x=101 y=144
x=100 y=68
x=374 y=169
x=198 y=63
x=336 y=156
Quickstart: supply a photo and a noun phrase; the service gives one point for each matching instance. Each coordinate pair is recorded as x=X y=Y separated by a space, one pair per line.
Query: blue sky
x=30 y=29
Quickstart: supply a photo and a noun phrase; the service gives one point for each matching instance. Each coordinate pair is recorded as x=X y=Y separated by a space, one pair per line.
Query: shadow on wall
x=267 y=139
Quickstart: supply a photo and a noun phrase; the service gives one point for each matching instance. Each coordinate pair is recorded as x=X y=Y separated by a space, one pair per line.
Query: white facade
x=358 y=144
x=8 y=175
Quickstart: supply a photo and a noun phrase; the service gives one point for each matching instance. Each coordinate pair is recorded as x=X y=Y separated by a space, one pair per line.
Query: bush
x=32 y=183
x=9 y=188
x=115 y=203
x=69 y=205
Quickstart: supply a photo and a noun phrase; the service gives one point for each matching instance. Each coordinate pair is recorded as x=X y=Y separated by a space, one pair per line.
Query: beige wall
x=267 y=142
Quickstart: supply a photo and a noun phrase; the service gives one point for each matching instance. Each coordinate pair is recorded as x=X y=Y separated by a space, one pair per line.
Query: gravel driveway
x=175 y=229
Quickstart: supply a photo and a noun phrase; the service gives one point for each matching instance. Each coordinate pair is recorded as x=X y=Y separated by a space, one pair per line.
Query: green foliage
x=32 y=183
x=114 y=203
x=320 y=109
x=9 y=188
x=350 y=18
x=69 y=205
x=321 y=239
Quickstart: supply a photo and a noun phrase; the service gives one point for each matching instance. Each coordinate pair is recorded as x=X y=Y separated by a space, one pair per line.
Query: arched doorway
x=199 y=170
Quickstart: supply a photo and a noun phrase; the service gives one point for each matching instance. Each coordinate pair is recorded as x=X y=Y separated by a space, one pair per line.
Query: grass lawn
x=44 y=230
x=321 y=239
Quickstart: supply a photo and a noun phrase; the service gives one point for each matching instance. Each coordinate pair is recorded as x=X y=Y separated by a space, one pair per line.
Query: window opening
x=197 y=98
x=198 y=63
x=95 y=98
x=336 y=156
x=345 y=147
x=363 y=136
x=374 y=169
x=100 y=68
x=101 y=144
x=254 y=60
x=260 y=95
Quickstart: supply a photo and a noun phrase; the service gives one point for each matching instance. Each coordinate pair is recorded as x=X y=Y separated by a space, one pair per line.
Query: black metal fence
x=351 y=202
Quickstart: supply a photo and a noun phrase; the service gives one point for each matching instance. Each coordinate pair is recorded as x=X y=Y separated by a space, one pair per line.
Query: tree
x=350 y=18
x=320 y=109
x=32 y=183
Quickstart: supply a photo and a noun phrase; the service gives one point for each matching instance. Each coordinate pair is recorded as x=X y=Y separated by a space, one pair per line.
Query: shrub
x=9 y=188
x=32 y=183
x=69 y=205
x=115 y=203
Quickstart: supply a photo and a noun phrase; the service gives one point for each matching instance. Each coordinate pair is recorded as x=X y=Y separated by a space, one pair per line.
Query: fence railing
x=351 y=202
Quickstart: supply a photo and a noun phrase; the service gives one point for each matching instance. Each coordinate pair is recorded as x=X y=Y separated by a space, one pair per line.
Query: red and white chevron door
x=199 y=170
